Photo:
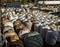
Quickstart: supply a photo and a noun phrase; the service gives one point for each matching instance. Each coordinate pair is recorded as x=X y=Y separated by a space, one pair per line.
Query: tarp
x=16 y=5
x=49 y=2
